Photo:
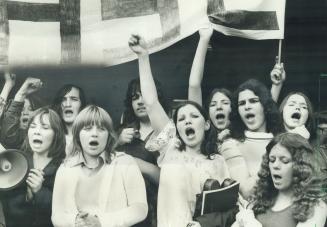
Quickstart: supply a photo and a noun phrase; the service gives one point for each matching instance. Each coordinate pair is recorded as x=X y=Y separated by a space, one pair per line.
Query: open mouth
x=141 y=109
x=249 y=116
x=296 y=116
x=220 y=116
x=68 y=112
x=277 y=177
x=94 y=143
x=189 y=132
x=25 y=120
x=37 y=141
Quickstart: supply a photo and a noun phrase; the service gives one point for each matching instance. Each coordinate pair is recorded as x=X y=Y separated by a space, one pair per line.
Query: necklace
x=94 y=168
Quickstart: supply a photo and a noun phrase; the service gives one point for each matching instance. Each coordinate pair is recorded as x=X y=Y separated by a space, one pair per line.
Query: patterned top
x=182 y=177
x=2 y=105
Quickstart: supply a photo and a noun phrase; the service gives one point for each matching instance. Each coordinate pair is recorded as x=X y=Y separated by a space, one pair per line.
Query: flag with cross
x=74 y=32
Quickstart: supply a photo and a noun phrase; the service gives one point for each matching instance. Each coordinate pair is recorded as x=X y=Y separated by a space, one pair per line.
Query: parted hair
x=272 y=115
x=134 y=87
x=213 y=132
x=310 y=123
x=305 y=186
x=208 y=146
x=56 y=103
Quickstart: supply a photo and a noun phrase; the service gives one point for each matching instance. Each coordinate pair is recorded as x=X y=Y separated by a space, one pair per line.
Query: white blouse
x=182 y=177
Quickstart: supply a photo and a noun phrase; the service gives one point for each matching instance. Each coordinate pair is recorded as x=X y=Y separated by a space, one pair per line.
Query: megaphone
x=13 y=169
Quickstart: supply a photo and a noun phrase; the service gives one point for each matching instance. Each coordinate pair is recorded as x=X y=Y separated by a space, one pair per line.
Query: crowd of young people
x=149 y=170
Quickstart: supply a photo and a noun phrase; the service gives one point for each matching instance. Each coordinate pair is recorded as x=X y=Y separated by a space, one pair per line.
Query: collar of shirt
x=258 y=135
x=80 y=160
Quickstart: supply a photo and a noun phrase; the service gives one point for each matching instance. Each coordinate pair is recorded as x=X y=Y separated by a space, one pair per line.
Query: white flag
x=52 y=32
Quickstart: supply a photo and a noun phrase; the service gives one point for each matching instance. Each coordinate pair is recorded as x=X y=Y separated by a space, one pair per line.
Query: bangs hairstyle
x=272 y=116
x=310 y=124
x=94 y=115
x=133 y=88
x=208 y=146
x=57 y=148
x=306 y=187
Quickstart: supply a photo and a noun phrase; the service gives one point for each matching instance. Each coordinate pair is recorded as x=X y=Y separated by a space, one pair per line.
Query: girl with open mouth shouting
x=17 y=116
x=30 y=203
x=254 y=124
x=298 y=115
x=220 y=106
x=97 y=186
x=185 y=151
x=287 y=192
x=219 y=101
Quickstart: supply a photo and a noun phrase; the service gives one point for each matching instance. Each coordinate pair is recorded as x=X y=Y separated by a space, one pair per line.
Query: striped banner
x=52 y=32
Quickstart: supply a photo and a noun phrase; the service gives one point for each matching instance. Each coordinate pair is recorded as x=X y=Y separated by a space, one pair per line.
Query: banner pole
x=280 y=51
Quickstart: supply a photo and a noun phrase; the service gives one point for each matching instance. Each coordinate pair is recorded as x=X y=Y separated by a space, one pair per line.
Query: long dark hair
x=208 y=145
x=306 y=190
x=310 y=123
x=134 y=87
x=56 y=103
x=213 y=132
x=272 y=116
x=57 y=148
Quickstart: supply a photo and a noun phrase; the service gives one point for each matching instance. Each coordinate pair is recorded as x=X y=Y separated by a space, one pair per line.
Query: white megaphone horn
x=13 y=168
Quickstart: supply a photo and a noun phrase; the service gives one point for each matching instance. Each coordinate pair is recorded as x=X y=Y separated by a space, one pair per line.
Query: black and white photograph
x=163 y=113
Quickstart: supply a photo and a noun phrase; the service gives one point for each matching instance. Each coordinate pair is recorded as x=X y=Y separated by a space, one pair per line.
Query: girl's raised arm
x=10 y=80
x=196 y=75
x=156 y=113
